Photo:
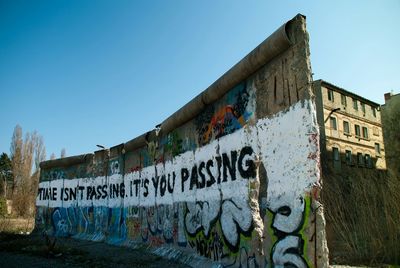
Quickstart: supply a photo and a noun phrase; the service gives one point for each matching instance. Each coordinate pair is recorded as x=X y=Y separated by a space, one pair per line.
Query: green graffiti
x=174 y=144
x=307 y=211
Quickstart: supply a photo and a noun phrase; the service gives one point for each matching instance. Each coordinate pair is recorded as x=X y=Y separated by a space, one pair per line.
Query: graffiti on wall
x=216 y=121
x=201 y=198
x=287 y=222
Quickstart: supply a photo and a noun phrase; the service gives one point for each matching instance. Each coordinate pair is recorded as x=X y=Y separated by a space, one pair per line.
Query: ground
x=18 y=250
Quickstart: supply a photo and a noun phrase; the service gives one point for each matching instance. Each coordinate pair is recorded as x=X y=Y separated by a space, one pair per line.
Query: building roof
x=348 y=93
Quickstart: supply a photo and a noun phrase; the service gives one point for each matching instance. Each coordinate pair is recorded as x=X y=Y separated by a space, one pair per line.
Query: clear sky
x=85 y=72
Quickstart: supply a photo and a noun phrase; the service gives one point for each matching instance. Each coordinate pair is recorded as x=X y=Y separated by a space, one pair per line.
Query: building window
x=375 y=131
x=330 y=95
x=336 y=156
x=343 y=99
x=357 y=130
x=377 y=149
x=355 y=105
x=333 y=123
x=346 y=127
x=368 y=161
x=363 y=108
x=365 y=132
x=373 y=111
x=348 y=157
x=360 y=159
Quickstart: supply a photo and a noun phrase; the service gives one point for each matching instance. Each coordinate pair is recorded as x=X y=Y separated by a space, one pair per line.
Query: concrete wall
x=232 y=176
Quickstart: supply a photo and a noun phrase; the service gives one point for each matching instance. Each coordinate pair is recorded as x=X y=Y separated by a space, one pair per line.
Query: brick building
x=350 y=127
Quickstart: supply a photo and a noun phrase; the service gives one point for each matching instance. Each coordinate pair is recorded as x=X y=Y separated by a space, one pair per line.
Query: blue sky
x=83 y=73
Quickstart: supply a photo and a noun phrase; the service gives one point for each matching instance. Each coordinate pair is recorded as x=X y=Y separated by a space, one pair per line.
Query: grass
x=363 y=215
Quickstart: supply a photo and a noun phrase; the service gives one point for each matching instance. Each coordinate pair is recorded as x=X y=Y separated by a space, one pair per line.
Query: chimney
x=387 y=96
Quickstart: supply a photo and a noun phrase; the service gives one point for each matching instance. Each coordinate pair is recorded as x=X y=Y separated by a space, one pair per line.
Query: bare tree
x=52 y=156
x=16 y=156
x=40 y=152
x=39 y=156
x=63 y=153
x=25 y=155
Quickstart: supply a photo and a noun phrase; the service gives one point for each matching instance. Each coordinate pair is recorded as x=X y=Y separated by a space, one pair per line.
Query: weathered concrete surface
x=322 y=250
x=232 y=176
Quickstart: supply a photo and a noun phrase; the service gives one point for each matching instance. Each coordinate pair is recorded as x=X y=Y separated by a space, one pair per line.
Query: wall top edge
x=66 y=161
x=272 y=46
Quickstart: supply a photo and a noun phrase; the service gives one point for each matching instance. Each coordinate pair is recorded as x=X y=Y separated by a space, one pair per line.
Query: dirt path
x=32 y=251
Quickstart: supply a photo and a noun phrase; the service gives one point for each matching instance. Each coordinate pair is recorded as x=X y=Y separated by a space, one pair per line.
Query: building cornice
x=372 y=147
x=348 y=93
x=354 y=116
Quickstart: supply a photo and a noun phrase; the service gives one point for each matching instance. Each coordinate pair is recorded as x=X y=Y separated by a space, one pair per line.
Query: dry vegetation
x=363 y=217
x=16 y=225
x=26 y=154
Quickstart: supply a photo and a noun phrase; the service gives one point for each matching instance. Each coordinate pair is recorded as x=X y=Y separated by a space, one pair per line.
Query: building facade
x=391 y=126
x=350 y=128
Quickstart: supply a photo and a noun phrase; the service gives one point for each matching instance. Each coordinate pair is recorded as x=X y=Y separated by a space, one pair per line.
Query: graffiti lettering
x=237 y=164
x=47 y=193
x=236 y=218
x=212 y=247
x=288 y=251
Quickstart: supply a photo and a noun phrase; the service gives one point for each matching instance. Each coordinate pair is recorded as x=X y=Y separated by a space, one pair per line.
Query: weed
x=363 y=216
